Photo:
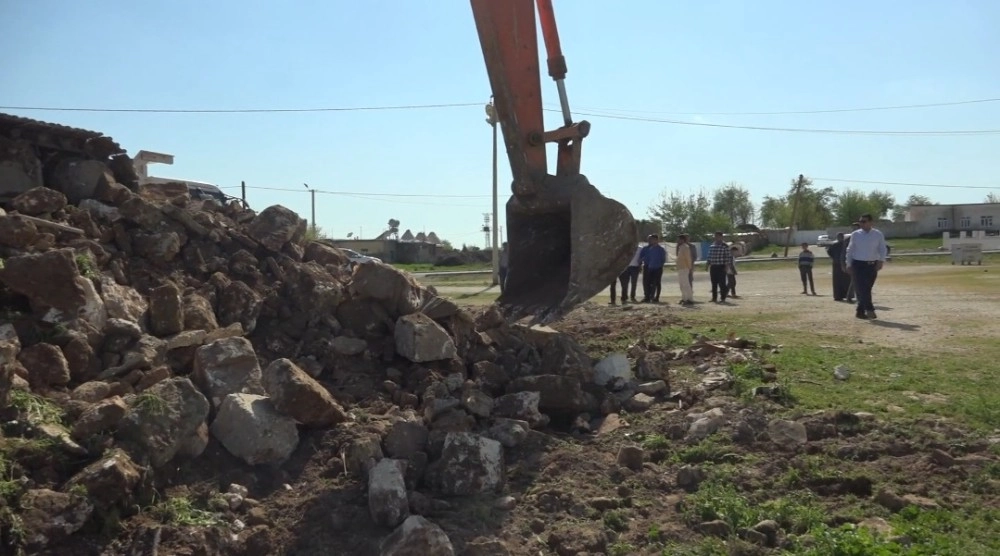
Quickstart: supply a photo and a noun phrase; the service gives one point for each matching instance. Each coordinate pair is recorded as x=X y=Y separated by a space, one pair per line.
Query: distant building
x=422 y=248
x=934 y=219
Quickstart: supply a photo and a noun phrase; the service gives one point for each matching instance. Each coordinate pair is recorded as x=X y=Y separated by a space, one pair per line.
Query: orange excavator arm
x=566 y=241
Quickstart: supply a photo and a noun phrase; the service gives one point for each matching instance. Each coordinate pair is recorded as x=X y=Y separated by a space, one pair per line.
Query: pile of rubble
x=136 y=327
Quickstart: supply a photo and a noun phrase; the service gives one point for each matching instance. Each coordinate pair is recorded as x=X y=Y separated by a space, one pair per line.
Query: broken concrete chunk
x=387 y=500
x=417 y=537
x=250 y=428
x=298 y=395
x=420 y=339
x=227 y=366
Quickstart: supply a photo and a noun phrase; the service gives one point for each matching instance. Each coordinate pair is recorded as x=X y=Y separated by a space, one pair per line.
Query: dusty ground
x=914 y=306
x=572 y=497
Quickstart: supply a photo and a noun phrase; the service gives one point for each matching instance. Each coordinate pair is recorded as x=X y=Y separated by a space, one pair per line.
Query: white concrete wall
x=988 y=242
x=957 y=217
x=780 y=237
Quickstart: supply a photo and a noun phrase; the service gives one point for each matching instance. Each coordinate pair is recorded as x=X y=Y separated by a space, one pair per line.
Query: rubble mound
x=143 y=332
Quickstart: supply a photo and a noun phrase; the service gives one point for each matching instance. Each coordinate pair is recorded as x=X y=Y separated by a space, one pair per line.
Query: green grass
x=427 y=267
x=182 y=511
x=35 y=408
x=900 y=245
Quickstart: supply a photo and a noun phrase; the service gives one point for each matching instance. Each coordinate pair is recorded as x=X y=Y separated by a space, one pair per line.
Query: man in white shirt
x=866 y=254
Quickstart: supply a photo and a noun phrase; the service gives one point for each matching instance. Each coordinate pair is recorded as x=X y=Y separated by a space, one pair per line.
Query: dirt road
x=919 y=306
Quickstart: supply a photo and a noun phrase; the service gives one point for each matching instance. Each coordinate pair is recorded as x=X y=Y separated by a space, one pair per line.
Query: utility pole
x=312 y=193
x=491 y=118
x=795 y=209
x=243 y=192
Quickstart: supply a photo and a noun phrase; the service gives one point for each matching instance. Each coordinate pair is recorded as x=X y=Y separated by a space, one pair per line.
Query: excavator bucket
x=566 y=245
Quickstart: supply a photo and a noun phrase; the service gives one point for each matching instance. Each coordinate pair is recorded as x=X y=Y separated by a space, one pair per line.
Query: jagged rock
x=486 y=547
x=614 y=366
x=46 y=365
x=123 y=302
x=47 y=279
x=38 y=200
x=103 y=415
x=417 y=537
x=420 y=339
x=405 y=439
x=522 y=406
x=387 y=500
x=49 y=517
x=91 y=392
x=490 y=376
x=162 y=419
x=362 y=452
x=469 y=464
x=250 y=428
x=298 y=395
x=477 y=403
x=17 y=232
x=109 y=481
x=146 y=353
x=238 y=303
x=787 y=434
x=93 y=310
x=119 y=334
x=345 y=345
x=166 y=312
x=275 y=226
x=6 y=383
x=313 y=290
x=198 y=314
x=631 y=457
x=157 y=246
x=559 y=394
x=187 y=338
x=227 y=366
x=137 y=210
x=10 y=344
x=509 y=432
x=324 y=254
x=79 y=179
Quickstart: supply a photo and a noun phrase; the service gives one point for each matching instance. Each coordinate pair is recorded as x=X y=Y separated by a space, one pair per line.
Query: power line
x=947 y=186
x=467 y=104
x=794 y=129
x=794 y=112
x=363 y=193
x=241 y=110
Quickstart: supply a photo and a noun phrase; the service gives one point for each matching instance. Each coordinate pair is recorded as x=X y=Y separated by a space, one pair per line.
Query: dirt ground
x=919 y=306
x=570 y=495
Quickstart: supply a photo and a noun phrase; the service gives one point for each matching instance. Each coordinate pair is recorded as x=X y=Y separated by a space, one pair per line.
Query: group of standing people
x=650 y=259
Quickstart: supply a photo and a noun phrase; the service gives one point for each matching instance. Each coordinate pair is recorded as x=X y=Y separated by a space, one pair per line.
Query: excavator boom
x=566 y=241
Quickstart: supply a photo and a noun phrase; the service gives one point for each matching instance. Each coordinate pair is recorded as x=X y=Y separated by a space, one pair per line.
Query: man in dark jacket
x=653 y=256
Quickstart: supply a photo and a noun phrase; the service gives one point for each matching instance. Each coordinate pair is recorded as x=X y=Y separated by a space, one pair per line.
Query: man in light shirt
x=685 y=262
x=866 y=254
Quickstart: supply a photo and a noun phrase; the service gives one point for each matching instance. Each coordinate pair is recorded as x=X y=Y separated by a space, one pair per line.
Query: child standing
x=731 y=272
x=806 y=260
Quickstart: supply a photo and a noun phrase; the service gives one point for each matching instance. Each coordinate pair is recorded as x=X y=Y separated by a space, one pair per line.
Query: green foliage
x=814 y=208
x=899 y=211
x=181 y=511
x=312 y=234
x=733 y=201
x=615 y=520
x=35 y=408
x=692 y=214
x=655 y=442
x=86 y=266
x=150 y=404
x=852 y=203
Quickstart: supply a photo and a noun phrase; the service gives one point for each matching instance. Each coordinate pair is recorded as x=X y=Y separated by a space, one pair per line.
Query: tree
x=813 y=212
x=733 y=200
x=852 y=203
x=691 y=215
x=899 y=211
x=992 y=197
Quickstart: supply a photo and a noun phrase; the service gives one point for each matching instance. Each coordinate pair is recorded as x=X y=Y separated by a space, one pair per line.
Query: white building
x=955 y=218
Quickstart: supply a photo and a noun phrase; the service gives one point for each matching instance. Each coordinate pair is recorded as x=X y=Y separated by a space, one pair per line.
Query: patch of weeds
x=849 y=540
x=987 y=480
x=798 y=512
x=720 y=500
x=34 y=408
x=86 y=266
x=11 y=530
x=713 y=448
x=622 y=548
x=48 y=335
x=78 y=490
x=615 y=520
x=672 y=337
x=707 y=547
x=654 y=535
x=963 y=531
x=150 y=404
x=655 y=442
x=181 y=511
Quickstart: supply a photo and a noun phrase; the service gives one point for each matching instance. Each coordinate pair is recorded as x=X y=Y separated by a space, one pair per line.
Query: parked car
x=358 y=258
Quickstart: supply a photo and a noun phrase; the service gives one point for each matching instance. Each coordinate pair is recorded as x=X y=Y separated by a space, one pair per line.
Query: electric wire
x=910 y=184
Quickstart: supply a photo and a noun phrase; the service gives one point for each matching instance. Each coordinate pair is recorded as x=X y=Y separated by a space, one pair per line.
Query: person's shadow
x=896 y=325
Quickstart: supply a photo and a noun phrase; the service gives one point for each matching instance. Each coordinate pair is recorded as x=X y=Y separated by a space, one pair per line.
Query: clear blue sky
x=648 y=56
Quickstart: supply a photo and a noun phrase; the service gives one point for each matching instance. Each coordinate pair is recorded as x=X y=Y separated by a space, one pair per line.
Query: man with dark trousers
x=866 y=254
x=653 y=256
x=718 y=260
